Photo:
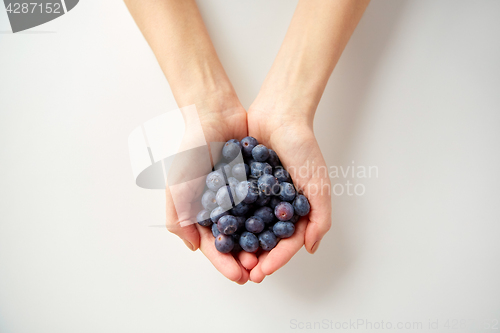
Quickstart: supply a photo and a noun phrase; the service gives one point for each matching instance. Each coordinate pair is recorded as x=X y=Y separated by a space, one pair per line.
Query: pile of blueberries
x=250 y=202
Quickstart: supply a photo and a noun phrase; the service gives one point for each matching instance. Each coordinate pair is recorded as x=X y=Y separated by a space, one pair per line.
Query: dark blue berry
x=249 y=161
x=283 y=211
x=282 y=175
x=236 y=142
x=249 y=242
x=224 y=197
x=268 y=185
x=215 y=230
x=227 y=224
x=273 y=159
x=257 y=169
x=208 y=200
x=240 y=209
x=263 y=199
x=203 y=218
x=217 y=213
x=224 y=243
x=284 y=229
x=215 y=180
x=274 y=202
x=254 y=224
x=247 y=191
x=294 y=218
x=241 y=223
x=241 y=171
x=271 y=226
x=230 y=151
x=237 y=247
x=265 y=213
x=287 y=191
x=267 y=240
x=247 y=144
x=301 y=205
x=260 y=153
x=233 y=183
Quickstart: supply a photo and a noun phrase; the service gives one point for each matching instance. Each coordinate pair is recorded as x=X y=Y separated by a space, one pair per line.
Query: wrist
x=290 y=91
x=212 y=106
x=287 y=100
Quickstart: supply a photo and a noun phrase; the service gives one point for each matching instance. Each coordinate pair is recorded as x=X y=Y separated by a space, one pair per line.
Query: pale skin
x=286 y=103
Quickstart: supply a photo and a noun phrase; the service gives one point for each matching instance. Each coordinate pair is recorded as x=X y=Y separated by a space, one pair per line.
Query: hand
x=221 y=119
x=314 y=42
x=289 y=132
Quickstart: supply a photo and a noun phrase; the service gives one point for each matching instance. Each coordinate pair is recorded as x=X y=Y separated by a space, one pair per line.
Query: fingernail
x=315 y=246
x=188 y=244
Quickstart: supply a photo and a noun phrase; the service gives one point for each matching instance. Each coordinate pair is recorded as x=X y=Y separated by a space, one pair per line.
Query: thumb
x=182 y=226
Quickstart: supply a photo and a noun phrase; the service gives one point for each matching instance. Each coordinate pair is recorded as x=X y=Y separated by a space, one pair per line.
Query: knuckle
x=171 y=227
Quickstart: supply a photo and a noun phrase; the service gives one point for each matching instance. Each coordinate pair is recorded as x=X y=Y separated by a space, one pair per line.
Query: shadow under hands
x=311 y=277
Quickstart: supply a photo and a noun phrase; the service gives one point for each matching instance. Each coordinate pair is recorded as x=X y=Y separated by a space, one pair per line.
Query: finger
x=320 y=220
x=248 y=260
x=285 y=249
x=223 y=262
x=256 y=274
x=188 y=233
x=244 y=275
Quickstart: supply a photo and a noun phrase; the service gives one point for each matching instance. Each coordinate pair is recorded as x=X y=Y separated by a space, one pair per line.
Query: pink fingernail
x=188 y=244
x=315 y=246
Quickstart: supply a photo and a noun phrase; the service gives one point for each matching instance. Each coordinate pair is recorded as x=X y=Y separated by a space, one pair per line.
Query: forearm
x=317 y=36
x=177 y=35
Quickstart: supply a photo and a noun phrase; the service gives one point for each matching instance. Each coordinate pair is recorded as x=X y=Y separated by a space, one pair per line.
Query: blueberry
x=241 y=171
x=254 y=224
x=233 y=183
x=247 y=144
x=230 y=150
x=287 y=191
x=284 y=229
x=223 y=168
x=283 y=211
x=224 y=243
x=274 y=202
x=273 y=159
x=260 y=153
x=267 y=240
x=249 y=242
x=282 y=175
x=271 y=226
x=294 y=218
x=257 y=169
x=301 y=205
x=265 y=213
x=215 y=230
x=247 y=191
x=248 y=213
x=215 y=180
x=228 y=224
x=241 y=223
x=236 y=142
x=240 y=209
x=268 y=185
x=208 y=200
x=217 y=213
x=263 y=199
x=237 y=247
x=224 y=197
x=249 y=161
x=203 y=218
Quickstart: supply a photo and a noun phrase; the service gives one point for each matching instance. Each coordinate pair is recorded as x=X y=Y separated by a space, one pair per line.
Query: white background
x=416 y=93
